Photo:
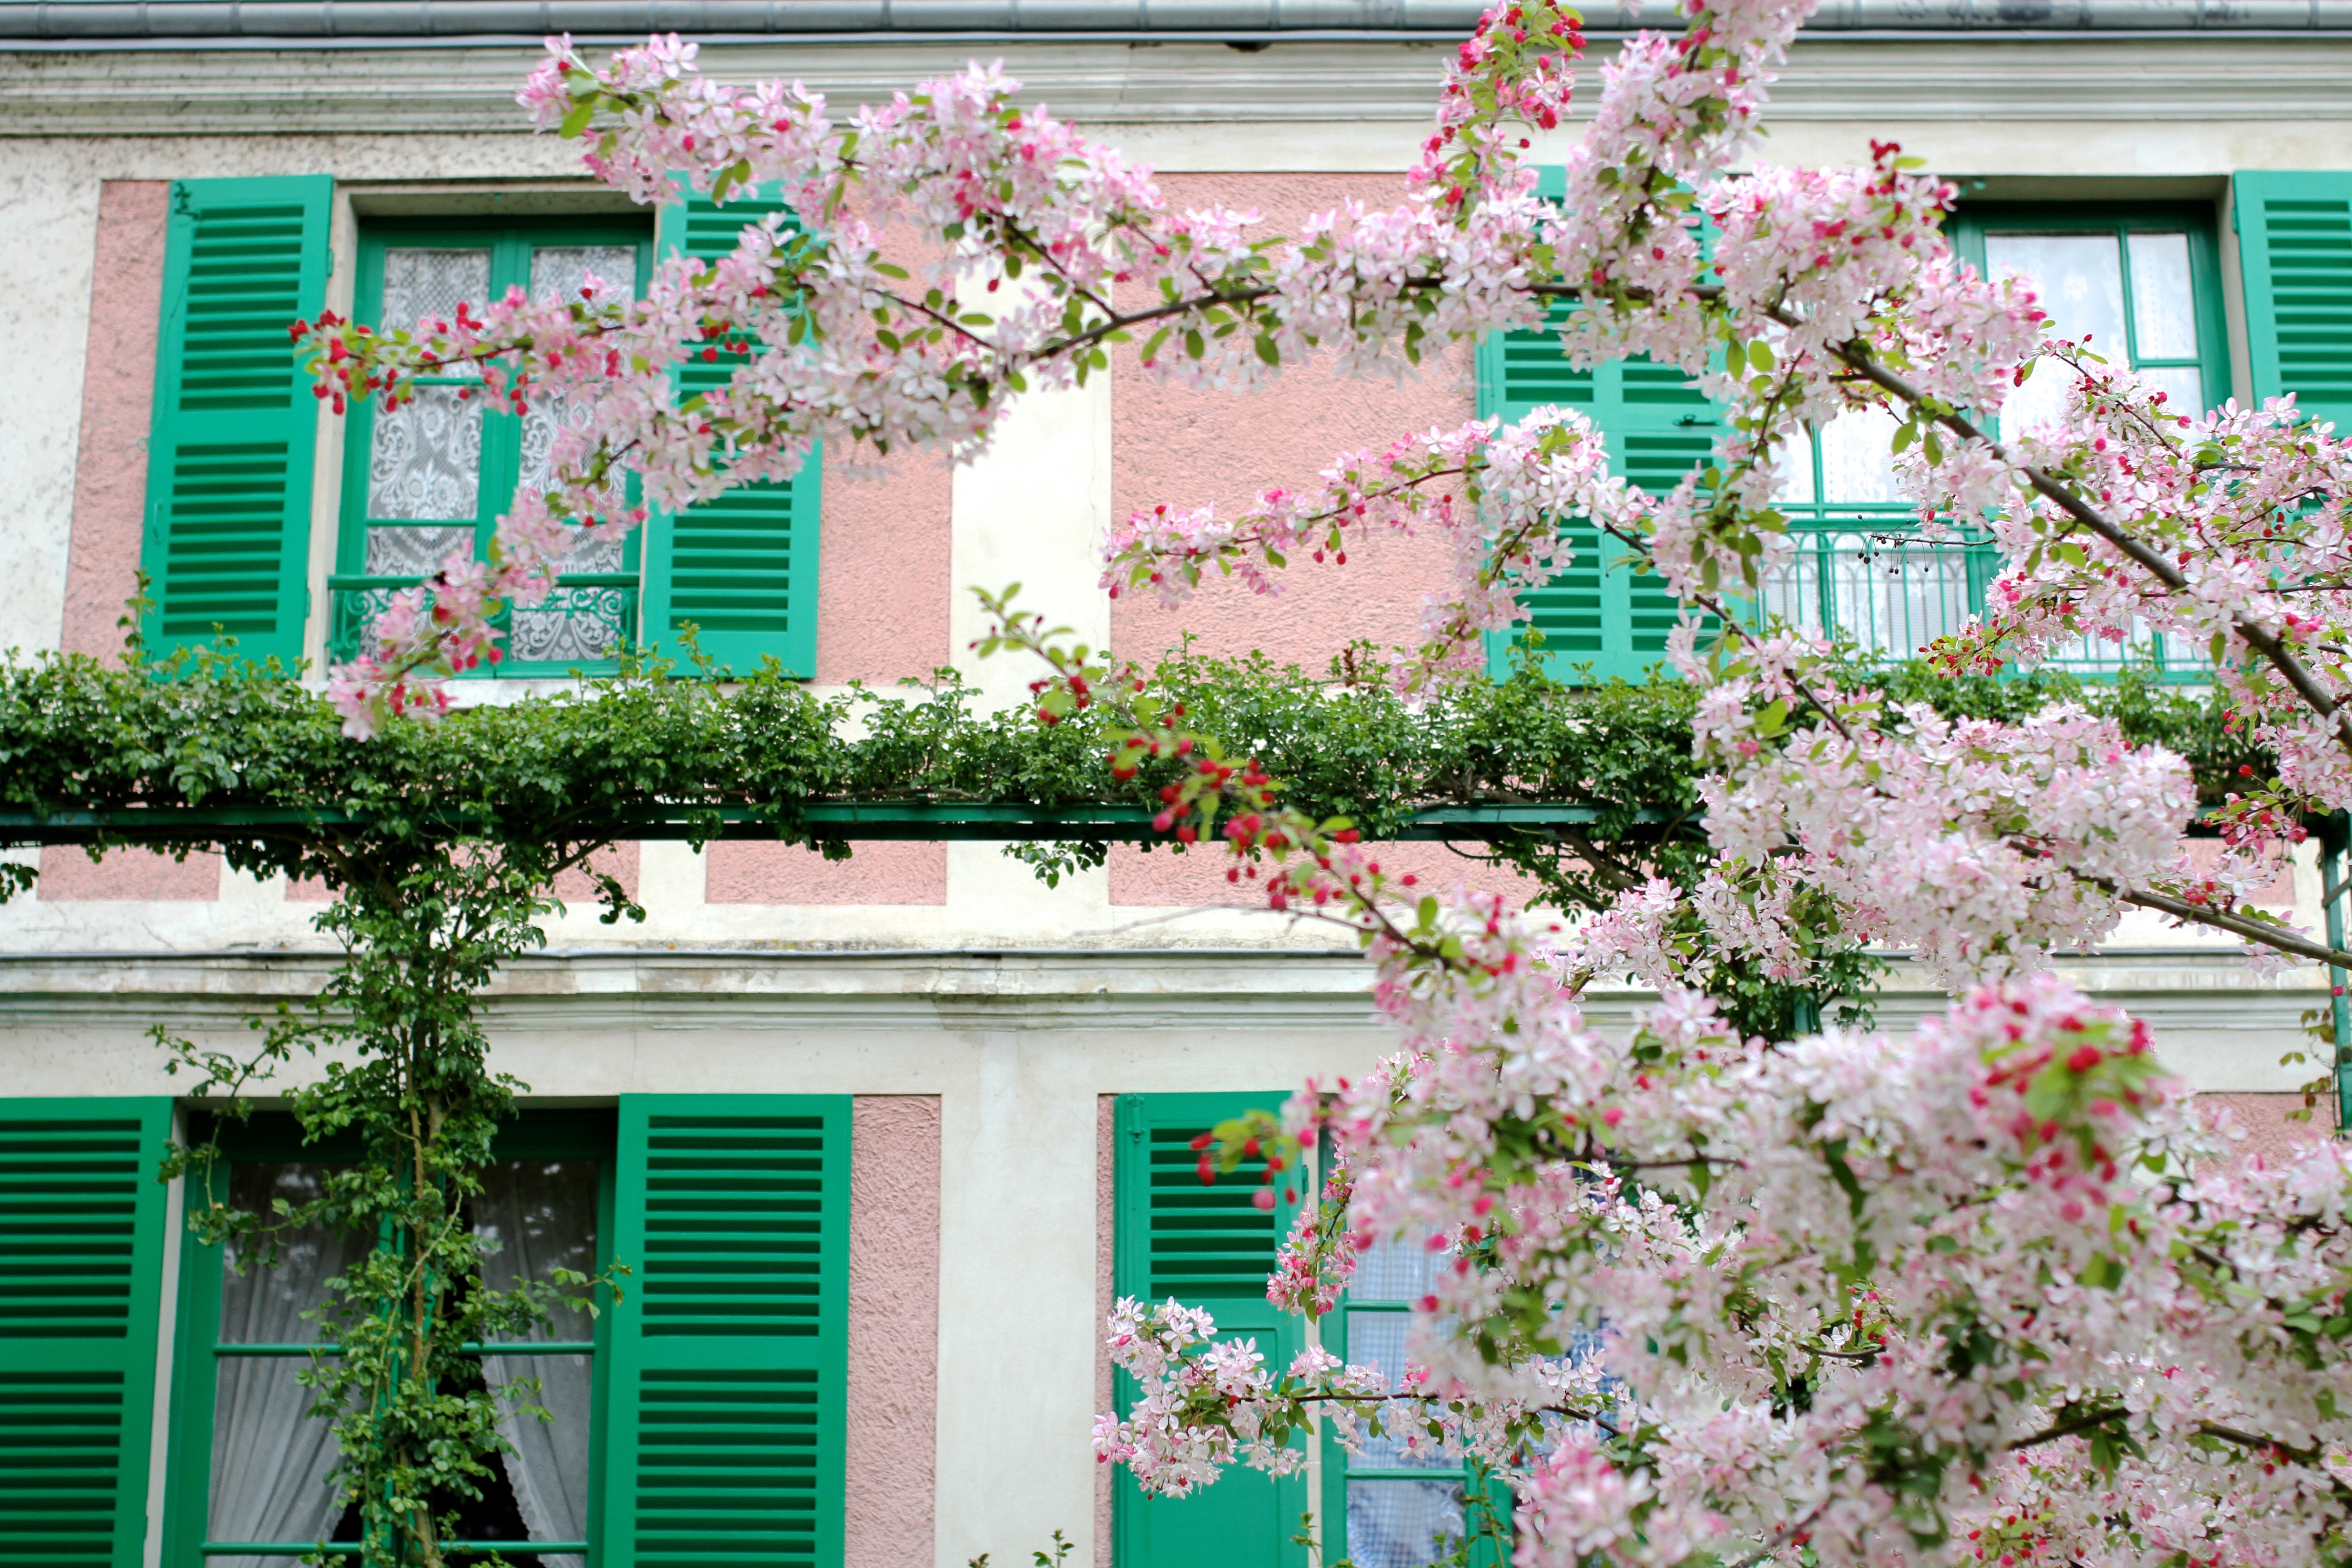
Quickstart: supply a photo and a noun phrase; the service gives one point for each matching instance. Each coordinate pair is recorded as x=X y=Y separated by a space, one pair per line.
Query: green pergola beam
x=929 y=820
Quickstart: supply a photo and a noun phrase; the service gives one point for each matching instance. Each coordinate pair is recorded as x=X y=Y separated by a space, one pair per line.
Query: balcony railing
x=1884 y=586
x=584 y=624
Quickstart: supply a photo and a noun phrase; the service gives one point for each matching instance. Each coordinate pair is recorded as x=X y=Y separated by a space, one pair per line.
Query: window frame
x=270 y=1138
x=510 y=241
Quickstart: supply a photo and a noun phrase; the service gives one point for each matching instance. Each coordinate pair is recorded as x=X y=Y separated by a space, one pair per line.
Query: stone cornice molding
x=469 y=89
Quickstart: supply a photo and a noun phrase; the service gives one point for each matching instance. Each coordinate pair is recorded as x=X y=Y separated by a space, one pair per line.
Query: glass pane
x=1378 y=1338
x=2080 y=280
x=1792 y=467
x=1858 y=457
x=427 y=462
x=575 y=625
x=1403 y=1524
x=265 y=1304
x=538 y=1216
x=271 y=1460
x=1396 y=1270
x=415 y=552
x=2182 y=385
x=1793 y=593
x=2164 y=307
x=423 y=286
x=561 y=271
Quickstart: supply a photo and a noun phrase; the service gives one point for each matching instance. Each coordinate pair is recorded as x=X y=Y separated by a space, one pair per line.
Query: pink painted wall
x=894 y=1330
x=2263 y=1117
x=1197 y=878
x=577 y=887
x=2279 y=895
x=1106 y=1222
x=68 y=876
x=1189 y=448
x=749 y=871
x=883 y=564
x=110 y=471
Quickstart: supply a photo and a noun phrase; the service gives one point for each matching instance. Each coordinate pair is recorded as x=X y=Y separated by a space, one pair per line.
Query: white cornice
x=469 y=89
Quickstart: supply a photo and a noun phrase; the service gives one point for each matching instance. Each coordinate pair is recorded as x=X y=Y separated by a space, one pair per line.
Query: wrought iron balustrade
x=584 y=623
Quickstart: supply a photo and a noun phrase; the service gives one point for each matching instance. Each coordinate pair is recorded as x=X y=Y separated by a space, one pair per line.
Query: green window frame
x=82 y=1236
x=1211 y=1246
x=2295 y=254
x=233 y=433
x=609 y=598
x=718 y=1418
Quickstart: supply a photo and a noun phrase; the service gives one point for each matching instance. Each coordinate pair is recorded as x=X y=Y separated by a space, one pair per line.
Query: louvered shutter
x=229 y=458
x=2294 y=252
x=729 y=1360
x=1206 y=1245
x=1658 y=425
x=81 y=1250
x=741 y=569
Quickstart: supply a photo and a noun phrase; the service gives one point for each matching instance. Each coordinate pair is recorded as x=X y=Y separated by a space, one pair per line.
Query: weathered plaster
x=894 y=1330
x=746 y=872
x=1162 y=879
x=110 y=502
x=883 y=566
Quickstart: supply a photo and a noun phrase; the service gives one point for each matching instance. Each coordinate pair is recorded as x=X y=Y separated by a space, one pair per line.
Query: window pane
x=427 y=462
x=2079 y=277
x=415 y=552
x=2182 y=385
x=2164 y=309
x=1403 y=1524
x=2080 y=280
x=536 y=1216
x=1858 y=457
x=1396 y=1270
x=1378 y=1338
x=561 y=271
x=1792 y=467
x=1896 y=592
x=271 y=1460
x=422 y=286
x=283 y=1276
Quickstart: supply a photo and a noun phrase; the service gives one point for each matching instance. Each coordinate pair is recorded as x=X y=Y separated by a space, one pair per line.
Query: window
x=1385 y=1507
x=252 y=1468
x=233 y=447
x=430 y=478
x=703 y=1413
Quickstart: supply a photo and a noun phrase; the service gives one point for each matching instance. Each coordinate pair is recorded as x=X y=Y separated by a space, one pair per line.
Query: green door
x=1210 y=1246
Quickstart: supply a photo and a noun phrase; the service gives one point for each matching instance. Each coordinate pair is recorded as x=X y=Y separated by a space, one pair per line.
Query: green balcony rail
x=1883 y=585
x=584 y=623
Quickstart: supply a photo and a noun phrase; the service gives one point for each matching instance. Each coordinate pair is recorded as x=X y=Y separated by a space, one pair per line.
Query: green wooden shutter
x=229 y=458
x=81 y=1253
x=1657 y=424
x=1206 y=1245
x=2294 y=252
x=741 y=569
x=729 y=1377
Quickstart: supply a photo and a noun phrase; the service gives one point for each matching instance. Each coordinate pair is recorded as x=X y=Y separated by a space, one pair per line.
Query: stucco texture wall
x=894 y=1330
x=747 y=871
x=110 y=469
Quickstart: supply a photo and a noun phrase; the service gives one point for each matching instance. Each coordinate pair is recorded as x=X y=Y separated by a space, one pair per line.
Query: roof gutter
x=296 y=23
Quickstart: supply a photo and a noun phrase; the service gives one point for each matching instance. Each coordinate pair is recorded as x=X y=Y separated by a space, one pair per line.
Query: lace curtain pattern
x=1397 y=1523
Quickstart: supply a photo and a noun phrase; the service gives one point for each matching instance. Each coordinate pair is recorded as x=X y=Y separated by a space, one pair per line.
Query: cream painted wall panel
x=48 y=237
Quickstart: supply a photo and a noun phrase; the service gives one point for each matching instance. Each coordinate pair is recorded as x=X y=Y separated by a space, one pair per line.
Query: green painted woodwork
x=359 y=596
x=2294 y=253
x=1207 y=1247
x=81 y=1252
x=741 y=569
x=1600 y=611
x=229 y=455
x=727 y=1384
